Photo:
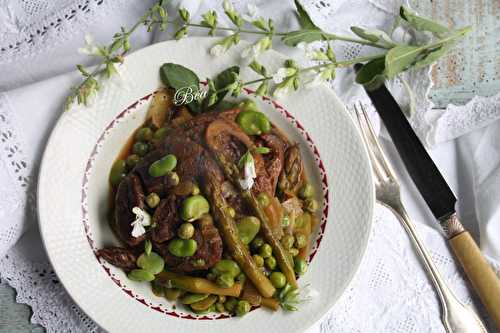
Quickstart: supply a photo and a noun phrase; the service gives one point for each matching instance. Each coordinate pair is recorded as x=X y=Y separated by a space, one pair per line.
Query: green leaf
x=223 y=79
x=148 y=247
x=177 y=76
x=153 y=263
x=258 y=68
x=421 y=23
x=433 y=55
x=400 y=58
x=307 y=35
x=140 y=275
x=373 y=35
x=371 y=75
x=304 y=19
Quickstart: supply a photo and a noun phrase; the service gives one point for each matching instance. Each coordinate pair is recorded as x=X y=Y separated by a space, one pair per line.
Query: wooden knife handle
x=481 y=275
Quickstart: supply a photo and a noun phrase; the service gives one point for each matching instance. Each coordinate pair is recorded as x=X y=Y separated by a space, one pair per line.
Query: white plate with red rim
x=73 y=190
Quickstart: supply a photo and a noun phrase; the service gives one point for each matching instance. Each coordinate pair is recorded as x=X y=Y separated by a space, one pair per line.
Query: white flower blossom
x=217 y=50
x=282 y=73
x=307 y=48
x=90 y=47
x=257 y=48
x=249 y=173
x=142 y=219
x=251 y=14
x=281 y=91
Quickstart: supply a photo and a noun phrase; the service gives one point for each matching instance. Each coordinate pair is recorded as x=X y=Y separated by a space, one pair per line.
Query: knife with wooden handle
x=440 y=199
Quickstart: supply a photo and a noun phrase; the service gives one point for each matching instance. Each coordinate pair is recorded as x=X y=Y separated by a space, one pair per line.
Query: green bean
x=306 y=191
x=225 y=280
x=227 y=266
x=270 y=263
x=293 y=252
x=194 y=207
x=163 y=166
x=172 y=294
x=196 y=285
x=160 y=133
x=253 y=122
x=242 y=308
x=287 y=241
x=263 y=199
x=192 y=298
x=300 y=241
x=248 y=227
x=204 y=304
x=144 y=134
x=300 y=266
x=140 y=275
x=265 y=251
x=236 y=248
x=158 y=290
x=118 y=172
x=152 y=200
x=185 y=231
x=132 y=160
x=219 y=307
x=140 y=148
x=182 y=247
x=278 y=279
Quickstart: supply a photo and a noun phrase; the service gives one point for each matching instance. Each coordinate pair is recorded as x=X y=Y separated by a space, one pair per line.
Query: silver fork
x=456 y=317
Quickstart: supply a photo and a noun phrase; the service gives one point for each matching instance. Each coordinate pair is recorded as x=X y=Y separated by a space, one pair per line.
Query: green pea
x=221 y=298
x=192 y=298
x=231 y=211
x=162 y=166
x=152 y=200
x=253 y=122
x=293 y=252
x=152 y=263
x=257 y=243
x=227 y=266
x=300 y=241
x=172 y=179
x=158 y=290
x=306 y=191
x=278 y=279
x=160 y=133
x=300 y=266
x=140 y=148
x=302 y=220
x=248 y=227
x=225 y=280
x=263 y=199
x=270 y=263
x=242 y=308
x=248 y=105
x=182 y=247
x=265 y=251
x=185 y=231
x=118 y=172
x=259 y=261
x=132 y=160
x=140 y=275
x=219 y=307
x=311 y=205
x=285 y=222
x=144 y=134
x=230 y=304
x=194 y=207
x=172 y=294
x=287 y=241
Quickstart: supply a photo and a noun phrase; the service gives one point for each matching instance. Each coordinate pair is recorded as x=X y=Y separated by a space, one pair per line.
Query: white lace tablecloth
x=390 y=292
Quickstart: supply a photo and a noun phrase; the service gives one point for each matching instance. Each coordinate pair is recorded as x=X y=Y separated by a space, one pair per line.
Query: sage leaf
x=153 y=263
x=421 y=23
x=304 y=19
x=371 y=75
x=373 y=35
x=400 y=58
x=225 y=78
x=177 y=76
x=293 y=38
x=433 y=55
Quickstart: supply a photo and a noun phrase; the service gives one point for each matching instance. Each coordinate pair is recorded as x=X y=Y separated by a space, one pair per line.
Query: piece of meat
x=227 y=139
x=274 y=160
x=165 y=220
x=129 y=194
x=119 y=257
x=209 y=249
x=151 y=184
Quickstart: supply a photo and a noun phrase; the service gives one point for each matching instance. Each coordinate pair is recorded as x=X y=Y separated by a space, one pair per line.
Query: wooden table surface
x=473 y=68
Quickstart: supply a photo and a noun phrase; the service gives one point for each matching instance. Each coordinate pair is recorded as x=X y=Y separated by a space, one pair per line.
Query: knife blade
x=439 y=197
